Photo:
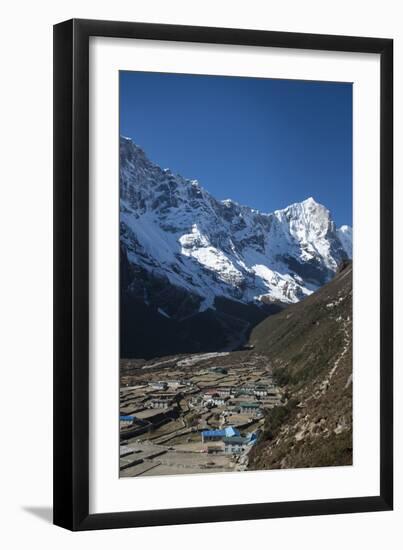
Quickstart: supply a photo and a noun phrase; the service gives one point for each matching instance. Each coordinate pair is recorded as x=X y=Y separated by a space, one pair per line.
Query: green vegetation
x=281 y=376
x=276 y=416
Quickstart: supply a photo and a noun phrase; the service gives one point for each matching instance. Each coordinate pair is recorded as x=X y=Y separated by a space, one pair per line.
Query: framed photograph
x=223 y=324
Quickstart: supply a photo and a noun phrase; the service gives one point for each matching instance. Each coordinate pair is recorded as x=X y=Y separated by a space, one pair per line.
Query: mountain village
x=191 y=414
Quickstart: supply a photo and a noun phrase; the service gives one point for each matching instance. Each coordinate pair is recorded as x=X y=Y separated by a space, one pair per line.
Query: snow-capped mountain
x=345 y=234
x=182 y=248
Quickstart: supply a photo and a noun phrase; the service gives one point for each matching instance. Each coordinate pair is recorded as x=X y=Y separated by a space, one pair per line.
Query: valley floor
x=189 y=414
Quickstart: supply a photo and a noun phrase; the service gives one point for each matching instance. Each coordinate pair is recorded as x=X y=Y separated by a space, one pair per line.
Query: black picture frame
x=71 y=274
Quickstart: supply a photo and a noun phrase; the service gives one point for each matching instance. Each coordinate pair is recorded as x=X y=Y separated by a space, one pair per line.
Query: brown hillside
x=310 y=348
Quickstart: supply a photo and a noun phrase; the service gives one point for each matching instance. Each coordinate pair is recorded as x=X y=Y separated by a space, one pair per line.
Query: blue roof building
x=231 y=432
x=251 y=438
x=218 y=435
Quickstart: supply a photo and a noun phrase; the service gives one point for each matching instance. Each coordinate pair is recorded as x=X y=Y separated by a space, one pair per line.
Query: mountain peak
x=124 y=140
x=229 y=203
x=311 y=204
x=308 y=205
x=310 y=201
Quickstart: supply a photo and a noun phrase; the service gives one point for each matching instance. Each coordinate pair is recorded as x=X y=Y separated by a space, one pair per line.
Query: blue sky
x=261 y=142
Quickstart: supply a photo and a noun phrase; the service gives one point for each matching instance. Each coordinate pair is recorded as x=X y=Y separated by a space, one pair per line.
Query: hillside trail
x=327 y=381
